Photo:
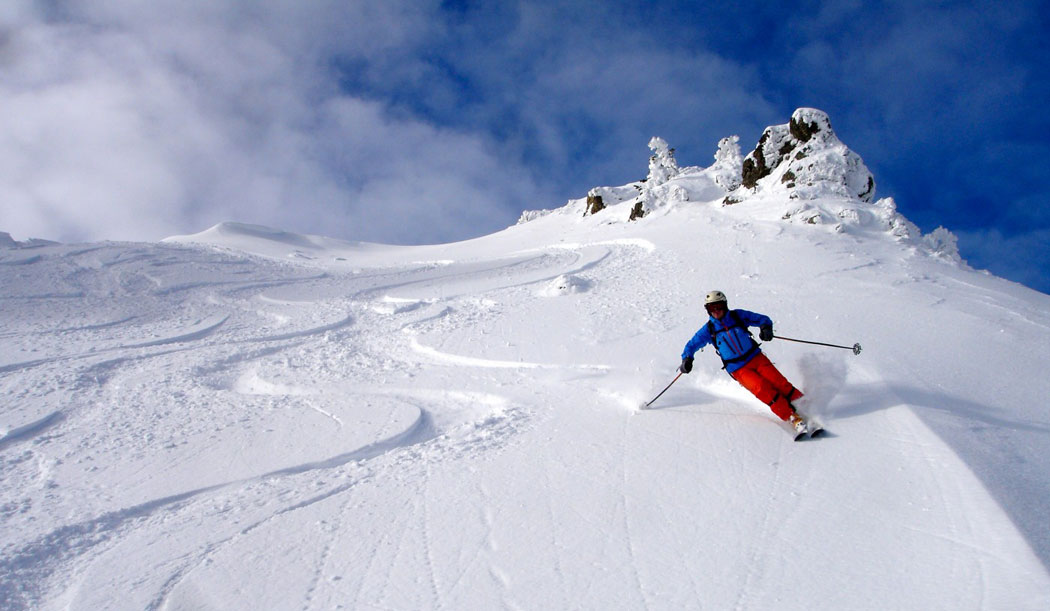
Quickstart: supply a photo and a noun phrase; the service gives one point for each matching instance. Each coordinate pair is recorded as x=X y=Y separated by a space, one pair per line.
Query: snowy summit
x=798 y=172
x=249 y=418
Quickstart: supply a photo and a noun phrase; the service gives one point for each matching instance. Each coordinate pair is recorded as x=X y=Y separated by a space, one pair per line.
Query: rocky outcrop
x=595 y=204
x=799 y=172
x=806 y=158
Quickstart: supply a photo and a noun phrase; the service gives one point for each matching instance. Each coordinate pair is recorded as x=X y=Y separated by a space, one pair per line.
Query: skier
x=743 y=359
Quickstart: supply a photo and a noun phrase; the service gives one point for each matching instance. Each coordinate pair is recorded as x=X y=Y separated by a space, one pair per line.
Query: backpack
x=734 y=323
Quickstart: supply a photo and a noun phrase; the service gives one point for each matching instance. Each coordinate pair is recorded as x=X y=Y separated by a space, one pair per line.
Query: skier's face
x=718 y=310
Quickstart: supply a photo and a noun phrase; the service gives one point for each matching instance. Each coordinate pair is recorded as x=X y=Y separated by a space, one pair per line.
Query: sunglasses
x=716 y=307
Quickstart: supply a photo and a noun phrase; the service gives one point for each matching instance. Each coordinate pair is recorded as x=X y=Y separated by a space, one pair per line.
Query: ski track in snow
x=395 y=438
x=37 y=562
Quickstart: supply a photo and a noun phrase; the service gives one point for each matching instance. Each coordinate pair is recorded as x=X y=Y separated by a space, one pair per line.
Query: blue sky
x=424 y=122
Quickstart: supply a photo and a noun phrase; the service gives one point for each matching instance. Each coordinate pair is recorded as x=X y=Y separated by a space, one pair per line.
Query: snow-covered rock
x=804 y=159
x=800 y=172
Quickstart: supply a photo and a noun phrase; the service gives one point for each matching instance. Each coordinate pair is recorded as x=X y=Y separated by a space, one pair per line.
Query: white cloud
x=126 y=123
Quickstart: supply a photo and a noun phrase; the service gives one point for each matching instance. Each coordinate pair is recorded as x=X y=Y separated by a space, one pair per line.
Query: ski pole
x=855 y=347
x=664 y=390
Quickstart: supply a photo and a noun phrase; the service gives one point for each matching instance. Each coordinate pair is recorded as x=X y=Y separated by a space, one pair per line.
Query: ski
x=811 y=433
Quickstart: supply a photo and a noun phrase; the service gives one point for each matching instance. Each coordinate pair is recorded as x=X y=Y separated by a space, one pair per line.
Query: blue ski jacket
x=730 y=337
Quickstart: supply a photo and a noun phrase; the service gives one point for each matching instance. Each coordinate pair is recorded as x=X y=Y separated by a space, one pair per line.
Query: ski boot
x=801 y=428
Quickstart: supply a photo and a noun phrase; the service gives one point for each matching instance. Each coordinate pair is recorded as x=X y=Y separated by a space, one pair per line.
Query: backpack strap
x=713 y=332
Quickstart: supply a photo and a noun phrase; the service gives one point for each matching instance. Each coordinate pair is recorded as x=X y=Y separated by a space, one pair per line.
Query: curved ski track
x=34 y=570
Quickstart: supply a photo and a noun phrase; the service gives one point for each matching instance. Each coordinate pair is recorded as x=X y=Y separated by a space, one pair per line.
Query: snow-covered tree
x=943 y=243
x=662 y=165
x=729 y=163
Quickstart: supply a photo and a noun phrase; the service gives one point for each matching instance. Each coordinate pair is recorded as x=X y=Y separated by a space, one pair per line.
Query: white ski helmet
x=715 y=297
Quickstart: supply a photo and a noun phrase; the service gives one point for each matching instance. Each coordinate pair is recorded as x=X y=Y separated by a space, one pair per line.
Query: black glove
x=687 y=365
x=766 y=333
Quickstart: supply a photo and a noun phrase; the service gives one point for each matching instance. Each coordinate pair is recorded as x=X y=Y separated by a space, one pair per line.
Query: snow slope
x=251 y=419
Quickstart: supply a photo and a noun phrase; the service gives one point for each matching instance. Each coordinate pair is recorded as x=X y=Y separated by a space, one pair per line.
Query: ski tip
x=810 y=434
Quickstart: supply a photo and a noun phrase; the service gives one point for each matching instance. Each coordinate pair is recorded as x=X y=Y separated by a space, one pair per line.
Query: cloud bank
x=131 y=122
x=126 y=124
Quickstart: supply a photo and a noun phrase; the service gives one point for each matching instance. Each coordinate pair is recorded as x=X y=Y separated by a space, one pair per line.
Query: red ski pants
x=769 y=385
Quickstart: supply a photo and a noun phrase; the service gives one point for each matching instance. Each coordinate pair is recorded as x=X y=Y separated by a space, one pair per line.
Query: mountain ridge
x=811 y=177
